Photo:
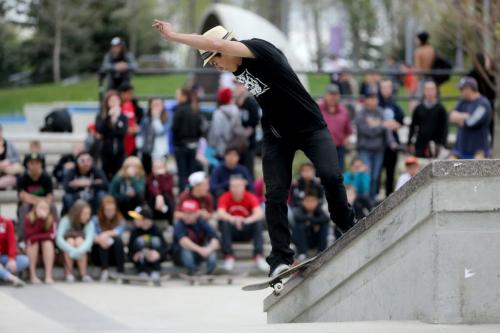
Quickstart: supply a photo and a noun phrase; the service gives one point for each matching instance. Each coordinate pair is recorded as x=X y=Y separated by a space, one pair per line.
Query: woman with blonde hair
x=108 y=245
x=74 y=237
x=128 y=185
x=40 y=231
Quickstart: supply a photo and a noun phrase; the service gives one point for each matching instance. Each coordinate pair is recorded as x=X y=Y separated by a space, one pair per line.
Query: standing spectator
x=10 y=262
x=199 y=192
x=75 y=235
x=226 y=127
x=393 y=120
x=133 y=112
x=219 y=180
x=111 y=126
x=160 y=192
x=152 y=140
x=337 y=120
x=311 y=226
x=370 y=84
x=10 y=165
x=195 y=241
x=33 y=186
x=429 y=125
x=241 y=219
x=372 y=139
x=109 y=226
x=412 y=168
x=392 y=65
x=35 y=147
x=307 y=182
x=147 y=247
x=334 y=65
x=358 y=177
x=186 y=131
x=40 y=232
x=85 y=182
x=67 y=162
x=472 y=115
x=118 y=64
x=128 y=185
x=250 y=117
x=424 y=57
x=483 y=71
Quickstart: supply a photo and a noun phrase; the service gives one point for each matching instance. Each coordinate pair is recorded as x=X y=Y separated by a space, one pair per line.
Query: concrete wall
x=429 y=252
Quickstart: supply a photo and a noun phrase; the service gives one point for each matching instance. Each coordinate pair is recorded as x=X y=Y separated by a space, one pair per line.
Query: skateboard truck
x=277 y=287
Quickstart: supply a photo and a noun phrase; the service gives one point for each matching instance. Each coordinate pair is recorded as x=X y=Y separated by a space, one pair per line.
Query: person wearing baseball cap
x=195 y=241
x=147 y=247
x=198 y=191
x=291 y=120
x=412 y=168
x=117 y=64
x=472 y=115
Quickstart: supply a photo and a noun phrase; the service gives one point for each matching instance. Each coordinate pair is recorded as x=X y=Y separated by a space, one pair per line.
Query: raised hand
x=164 y=28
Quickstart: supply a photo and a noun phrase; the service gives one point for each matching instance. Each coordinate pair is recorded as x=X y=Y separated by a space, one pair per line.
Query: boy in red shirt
x=10 y=263
x=240 y=219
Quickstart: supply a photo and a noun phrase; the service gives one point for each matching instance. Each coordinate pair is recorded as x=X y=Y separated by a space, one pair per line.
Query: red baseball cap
x=190 y=206
x=224 y=96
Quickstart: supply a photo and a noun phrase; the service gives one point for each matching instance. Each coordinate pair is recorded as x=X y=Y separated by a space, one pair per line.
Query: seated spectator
x=160 y=192
x=152 y=140
x=109 y=226
x=33 y=186
x=147 y=247
x=412 y=168
x=118 y=64
x=241 y=219
x=111 y=127
x=311 y=226
x=67 y=162
x=128 y=185
x=10 y=263
x=75 y=235
x=10 y=165
x=195 y=241
x=85 y=182
x=205 y=156
x=40 y=233
x=361 y=204
x=35 y=147
x=219 y=180
x=307 y=181
x=197 y=191
x=358 y=177
x=133 y=112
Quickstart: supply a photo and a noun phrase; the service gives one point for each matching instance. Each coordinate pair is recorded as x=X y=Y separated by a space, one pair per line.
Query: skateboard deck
x=277 y=282
x=128 y=278
x=207 y=278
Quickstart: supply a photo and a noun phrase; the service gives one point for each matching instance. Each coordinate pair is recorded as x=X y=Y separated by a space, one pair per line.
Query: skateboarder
x=291 y=121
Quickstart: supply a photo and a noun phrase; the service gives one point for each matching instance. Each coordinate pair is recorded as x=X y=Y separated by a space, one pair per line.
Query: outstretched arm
x=232 y=48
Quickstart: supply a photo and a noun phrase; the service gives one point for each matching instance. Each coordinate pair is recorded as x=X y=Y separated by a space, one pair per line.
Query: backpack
x=442 y=64
x=59 y=120
x=237 y=137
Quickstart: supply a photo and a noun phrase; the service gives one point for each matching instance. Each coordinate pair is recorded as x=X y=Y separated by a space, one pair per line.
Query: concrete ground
x=174 y=307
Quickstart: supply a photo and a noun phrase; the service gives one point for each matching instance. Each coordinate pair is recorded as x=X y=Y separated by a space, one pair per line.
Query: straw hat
x=216 y=32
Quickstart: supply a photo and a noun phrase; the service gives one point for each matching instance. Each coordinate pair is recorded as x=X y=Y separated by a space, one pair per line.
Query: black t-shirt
x=287 y=108
x=40 y=187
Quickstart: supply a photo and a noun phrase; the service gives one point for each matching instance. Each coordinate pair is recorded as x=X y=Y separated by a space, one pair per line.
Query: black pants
x=306 y=238
x=248 y=160
x=390 y=161
x=277 y=159
x=112 y=255
x=249 y=232
x=186 y=164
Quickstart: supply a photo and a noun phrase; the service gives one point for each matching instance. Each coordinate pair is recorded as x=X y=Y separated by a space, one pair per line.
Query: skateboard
x=277 y=282
x=199 y=279
x=129 y=278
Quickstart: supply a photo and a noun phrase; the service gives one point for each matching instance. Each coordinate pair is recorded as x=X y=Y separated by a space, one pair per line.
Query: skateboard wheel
x=278 y=287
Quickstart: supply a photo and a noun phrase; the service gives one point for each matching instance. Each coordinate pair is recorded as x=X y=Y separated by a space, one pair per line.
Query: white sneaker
x=262 y=265
x=301 y=257
x=155 y=275
x=104 y=276
x=87 y=279
x=279 y=269
x=70 y=278
x=229 y=263
x=143 y=275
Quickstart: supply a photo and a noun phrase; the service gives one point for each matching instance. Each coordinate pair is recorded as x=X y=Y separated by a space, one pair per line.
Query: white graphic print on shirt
x=255 y=86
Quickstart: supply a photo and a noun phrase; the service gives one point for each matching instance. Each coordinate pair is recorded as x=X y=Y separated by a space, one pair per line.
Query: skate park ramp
x=429 y=252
